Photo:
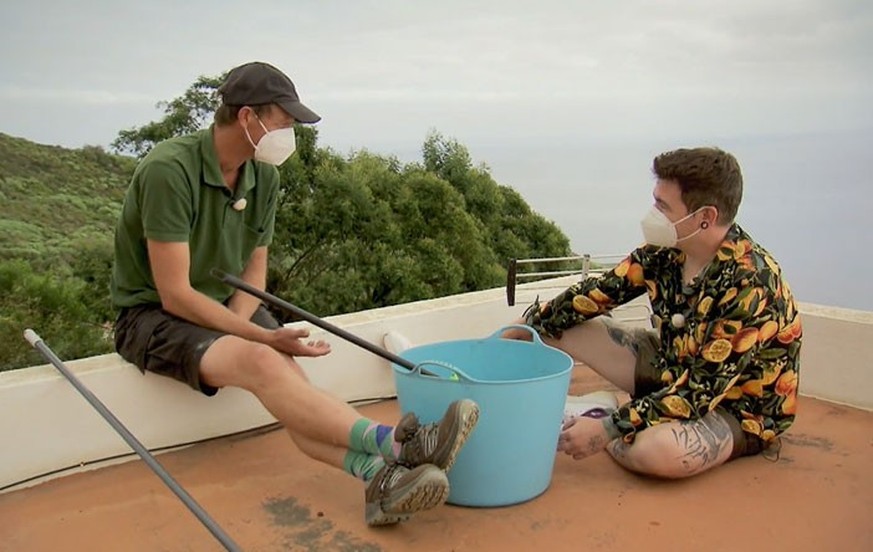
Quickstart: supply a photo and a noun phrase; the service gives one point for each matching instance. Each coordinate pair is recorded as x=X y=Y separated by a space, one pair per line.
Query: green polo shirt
x=178 y=194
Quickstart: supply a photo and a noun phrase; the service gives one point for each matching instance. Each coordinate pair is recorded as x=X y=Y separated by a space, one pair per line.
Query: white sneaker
x=395 y=342
x=598 y=404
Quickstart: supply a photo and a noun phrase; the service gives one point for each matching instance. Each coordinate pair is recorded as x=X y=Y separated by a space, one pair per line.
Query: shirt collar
x=726 y=252
x=734 y=234
x=212 y=170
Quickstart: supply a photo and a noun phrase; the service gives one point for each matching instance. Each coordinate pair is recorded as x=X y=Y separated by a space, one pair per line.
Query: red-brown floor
x=268 y=497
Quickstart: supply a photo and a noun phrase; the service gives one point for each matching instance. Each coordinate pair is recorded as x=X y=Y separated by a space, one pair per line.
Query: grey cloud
x=558 y=69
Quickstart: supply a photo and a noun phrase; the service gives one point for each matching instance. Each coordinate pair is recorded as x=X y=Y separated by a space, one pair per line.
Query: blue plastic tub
x=520 y=386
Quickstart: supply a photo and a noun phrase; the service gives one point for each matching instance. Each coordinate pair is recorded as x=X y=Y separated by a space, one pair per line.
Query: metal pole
x=511 y=281
x=38 y=344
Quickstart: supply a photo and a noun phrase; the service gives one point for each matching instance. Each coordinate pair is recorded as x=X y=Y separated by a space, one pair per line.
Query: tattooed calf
x=701 y=441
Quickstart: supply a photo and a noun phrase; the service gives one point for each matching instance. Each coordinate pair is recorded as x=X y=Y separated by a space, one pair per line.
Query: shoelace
x=426 y=439
x=394 y=474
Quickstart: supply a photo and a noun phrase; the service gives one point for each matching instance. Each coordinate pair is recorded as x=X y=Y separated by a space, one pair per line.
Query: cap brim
x=300 y=112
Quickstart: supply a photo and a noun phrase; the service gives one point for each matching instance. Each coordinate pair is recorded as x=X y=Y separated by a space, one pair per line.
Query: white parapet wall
x=46 y=427
x=836 y=355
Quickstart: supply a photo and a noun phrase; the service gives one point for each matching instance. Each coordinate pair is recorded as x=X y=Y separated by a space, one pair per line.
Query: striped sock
x=362 y=465
x=372 y=438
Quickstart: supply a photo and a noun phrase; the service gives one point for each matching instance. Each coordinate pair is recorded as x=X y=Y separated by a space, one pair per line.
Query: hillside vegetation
x=352 y=232
x=53 y=199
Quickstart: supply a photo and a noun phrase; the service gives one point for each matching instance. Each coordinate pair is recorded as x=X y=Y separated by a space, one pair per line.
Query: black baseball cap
x=258 y=83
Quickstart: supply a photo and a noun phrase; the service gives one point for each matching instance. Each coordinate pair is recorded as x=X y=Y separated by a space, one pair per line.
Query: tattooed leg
x=623 y=338
x=591 y=343
x=704 y=443
x=677 y=450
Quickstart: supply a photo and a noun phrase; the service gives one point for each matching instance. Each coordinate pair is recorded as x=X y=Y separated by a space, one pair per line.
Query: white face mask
x=275 y=146
x=658 y=230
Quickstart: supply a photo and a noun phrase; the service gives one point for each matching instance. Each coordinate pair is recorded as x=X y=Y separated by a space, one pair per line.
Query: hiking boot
x=397 y=492
x=436 y=443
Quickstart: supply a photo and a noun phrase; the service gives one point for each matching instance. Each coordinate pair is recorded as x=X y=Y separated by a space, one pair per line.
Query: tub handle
x=456 y=373
x=534 y=335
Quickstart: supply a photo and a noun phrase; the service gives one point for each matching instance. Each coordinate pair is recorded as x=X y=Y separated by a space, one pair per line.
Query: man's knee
x=252 y=366
x=652 y=457
x=267 y=367
x=677 y=450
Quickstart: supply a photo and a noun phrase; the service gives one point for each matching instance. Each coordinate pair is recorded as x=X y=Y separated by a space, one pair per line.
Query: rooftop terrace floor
x=268 y=496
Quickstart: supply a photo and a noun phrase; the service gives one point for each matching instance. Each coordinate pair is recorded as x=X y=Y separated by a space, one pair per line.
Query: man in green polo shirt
x=208 y=200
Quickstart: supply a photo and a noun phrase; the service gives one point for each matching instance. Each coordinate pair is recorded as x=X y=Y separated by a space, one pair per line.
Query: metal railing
x=589 y=265
x=586 y=266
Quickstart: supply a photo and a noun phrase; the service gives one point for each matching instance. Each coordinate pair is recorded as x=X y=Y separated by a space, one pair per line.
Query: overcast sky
x=382 y=73
x=566 y=101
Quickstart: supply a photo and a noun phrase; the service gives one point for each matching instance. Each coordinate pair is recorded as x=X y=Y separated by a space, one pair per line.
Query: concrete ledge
x=45 y=425
x=836 y=355
x=836 y=313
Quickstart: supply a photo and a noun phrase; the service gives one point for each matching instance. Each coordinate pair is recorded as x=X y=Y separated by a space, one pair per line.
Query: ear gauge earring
x=704 y=225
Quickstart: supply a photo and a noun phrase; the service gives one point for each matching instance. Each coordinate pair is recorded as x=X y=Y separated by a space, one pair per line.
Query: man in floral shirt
x=722 y=362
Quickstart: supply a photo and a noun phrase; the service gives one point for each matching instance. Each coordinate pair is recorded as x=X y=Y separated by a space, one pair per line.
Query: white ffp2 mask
x=658 y=230
x=274 y=147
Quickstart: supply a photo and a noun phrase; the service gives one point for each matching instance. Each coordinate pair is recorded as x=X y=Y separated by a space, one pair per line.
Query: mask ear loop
x=246 y=130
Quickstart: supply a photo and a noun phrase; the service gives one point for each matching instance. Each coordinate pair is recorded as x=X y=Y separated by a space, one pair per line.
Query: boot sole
x=429 y=491
x=468 y=422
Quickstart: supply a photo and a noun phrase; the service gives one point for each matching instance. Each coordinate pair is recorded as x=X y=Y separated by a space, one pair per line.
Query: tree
x=512 y=229
x=364 y=231
x=448 y=159
x=182 y=115
x=55 y=307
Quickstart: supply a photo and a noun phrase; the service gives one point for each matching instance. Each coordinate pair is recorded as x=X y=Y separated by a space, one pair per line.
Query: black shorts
x=157 y=341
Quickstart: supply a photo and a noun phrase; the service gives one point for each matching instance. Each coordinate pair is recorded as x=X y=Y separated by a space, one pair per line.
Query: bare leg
x=316 y=450
x=319 y=423
x=677 y=449
x=329 y=454
x=607 y=348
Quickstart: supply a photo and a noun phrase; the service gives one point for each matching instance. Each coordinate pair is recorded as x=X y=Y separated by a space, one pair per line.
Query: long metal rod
x=311 y=318
x=33 y=338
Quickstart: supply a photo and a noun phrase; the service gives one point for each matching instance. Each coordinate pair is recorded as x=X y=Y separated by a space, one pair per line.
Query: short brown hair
x=706 y=176
x=227 y=114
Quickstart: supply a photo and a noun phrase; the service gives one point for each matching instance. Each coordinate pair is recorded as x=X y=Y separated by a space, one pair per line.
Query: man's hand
x=582 y=437
x=517 y=333
x=289 y=341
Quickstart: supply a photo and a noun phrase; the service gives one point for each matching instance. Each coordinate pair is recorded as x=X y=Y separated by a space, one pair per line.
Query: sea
x=808 y=199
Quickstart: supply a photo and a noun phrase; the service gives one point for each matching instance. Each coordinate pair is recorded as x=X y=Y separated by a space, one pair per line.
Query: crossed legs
x=670 y=450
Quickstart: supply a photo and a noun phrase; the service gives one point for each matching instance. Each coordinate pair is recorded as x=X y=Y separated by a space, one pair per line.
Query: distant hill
x=52 y=198
x=353 y=233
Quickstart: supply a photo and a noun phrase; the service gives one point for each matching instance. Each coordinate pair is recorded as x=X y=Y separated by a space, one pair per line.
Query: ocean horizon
x=807 y=199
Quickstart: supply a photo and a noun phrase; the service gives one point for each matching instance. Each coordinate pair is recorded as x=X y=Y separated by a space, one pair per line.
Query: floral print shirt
x=730 y=339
